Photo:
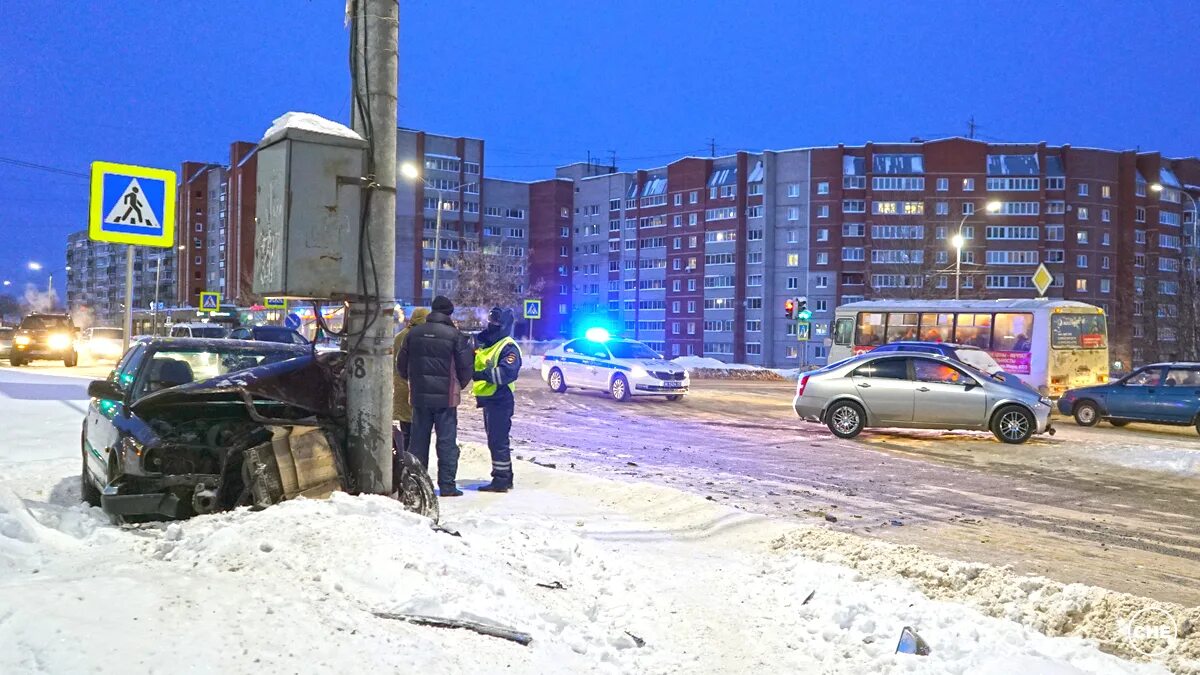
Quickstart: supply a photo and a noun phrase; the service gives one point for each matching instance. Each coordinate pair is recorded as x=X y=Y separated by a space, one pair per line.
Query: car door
x=1135 y=397
x=598 y=365
x=946 y=394
x=1179 y=398
x=572 y=364
x=885 y=388
x=102 y=434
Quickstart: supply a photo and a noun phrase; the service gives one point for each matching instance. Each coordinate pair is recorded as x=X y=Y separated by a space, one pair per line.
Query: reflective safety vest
x=488 y=359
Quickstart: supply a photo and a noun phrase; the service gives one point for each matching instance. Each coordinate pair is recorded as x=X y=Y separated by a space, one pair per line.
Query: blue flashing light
x=597 y=334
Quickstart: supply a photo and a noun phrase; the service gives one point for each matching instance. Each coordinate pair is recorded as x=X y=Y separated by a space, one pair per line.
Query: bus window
x=974 y=330
x=901 y=327
x=1078 y=331
x=937 y=327
x=843 y=332
x=870 y=329
x=1012 y=332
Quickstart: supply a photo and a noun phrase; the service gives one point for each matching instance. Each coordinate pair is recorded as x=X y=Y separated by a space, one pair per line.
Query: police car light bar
x=597 y=334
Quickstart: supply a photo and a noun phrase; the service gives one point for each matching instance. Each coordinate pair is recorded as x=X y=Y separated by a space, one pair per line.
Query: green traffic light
x=804 y=315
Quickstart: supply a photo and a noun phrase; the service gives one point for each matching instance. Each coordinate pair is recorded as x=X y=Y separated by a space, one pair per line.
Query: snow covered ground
x=653 y=581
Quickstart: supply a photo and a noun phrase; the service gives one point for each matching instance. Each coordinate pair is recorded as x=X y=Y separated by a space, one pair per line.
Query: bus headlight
x=60 y=341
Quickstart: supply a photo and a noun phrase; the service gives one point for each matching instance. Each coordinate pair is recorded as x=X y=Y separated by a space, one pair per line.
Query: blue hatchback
x=1164 y=393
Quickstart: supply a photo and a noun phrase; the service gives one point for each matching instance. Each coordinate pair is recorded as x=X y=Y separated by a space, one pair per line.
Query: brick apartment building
x=699 y=256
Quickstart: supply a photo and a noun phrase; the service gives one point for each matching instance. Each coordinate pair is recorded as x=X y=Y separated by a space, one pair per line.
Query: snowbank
x=306 y=122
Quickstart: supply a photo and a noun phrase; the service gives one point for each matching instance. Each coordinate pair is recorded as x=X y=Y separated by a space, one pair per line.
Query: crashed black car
x=191 y=426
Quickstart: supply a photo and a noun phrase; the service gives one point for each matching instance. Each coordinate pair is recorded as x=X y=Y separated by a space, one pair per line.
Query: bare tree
x=488 y=279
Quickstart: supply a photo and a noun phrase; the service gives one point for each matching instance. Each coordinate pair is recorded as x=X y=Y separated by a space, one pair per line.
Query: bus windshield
x=1078 y=331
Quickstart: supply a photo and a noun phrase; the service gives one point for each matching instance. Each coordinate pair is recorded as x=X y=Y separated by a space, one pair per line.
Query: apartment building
x=96 y=279
x=241 y=191
x=199 y=229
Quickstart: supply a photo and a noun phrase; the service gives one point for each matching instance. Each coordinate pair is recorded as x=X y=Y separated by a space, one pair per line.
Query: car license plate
x=672 y=385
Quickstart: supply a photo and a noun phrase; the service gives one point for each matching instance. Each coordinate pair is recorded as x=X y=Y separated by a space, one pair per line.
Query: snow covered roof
x=964 y=305
x=1054 y=166
x=853 y=165
x=756 y=175
x=1012 y=165
x=1167 y=177
x=309 y=122
x=720 y=177
x=655 y=185
x=898 y=164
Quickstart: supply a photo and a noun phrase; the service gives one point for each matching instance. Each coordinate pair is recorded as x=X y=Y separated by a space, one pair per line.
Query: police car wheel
x=619 y=388
x=674 y=397
x=557 y=384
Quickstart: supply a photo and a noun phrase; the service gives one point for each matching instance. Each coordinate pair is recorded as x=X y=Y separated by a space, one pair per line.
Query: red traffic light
x=789 y=308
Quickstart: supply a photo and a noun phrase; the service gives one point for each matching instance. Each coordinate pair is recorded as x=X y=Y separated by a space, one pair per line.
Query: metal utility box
x=309 y=215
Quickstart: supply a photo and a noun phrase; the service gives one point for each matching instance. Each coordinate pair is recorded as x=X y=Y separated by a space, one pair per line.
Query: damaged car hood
x=308 y=381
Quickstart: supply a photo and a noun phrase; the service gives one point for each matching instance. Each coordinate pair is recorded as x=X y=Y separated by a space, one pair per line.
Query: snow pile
x=306 y=122
x=707 y=363
x=705 y=367
x=1048 y=606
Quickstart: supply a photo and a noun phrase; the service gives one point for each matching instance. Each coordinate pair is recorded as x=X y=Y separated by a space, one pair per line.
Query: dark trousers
x=497 y=421
x=445 y=422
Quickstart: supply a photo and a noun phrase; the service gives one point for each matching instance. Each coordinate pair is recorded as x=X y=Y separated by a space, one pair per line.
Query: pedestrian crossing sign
x=132 y=205
x=210 y=301
x=533 y=309
x=275 y=303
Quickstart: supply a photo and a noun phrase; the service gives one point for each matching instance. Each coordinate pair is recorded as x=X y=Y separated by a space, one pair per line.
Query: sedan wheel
x=1013 y=424
x=619 y=389
x=557 y=384
x=1086 y=414
x=845 y=419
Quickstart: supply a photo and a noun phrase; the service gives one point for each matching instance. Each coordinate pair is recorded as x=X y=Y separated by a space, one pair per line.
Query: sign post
x=533 y=312
x=135 y=206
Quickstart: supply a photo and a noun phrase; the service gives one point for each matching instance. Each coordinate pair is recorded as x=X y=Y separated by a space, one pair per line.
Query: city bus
x=1052 y=345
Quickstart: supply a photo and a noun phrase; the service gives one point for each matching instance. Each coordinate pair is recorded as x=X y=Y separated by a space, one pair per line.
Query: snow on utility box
x=309 y=209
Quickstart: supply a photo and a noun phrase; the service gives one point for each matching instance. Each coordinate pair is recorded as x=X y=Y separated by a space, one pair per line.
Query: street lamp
x=1156 y=187
x=957 y=241
x=37 y=267
x=410 y=171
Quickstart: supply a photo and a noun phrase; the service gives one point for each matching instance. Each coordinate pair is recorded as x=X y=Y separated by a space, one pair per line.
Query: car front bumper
x=652 y=386
x=169 y=495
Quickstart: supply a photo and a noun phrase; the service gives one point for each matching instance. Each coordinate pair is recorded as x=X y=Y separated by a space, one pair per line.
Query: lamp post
x=958 y=241
x=37 y=267
x=411 y=172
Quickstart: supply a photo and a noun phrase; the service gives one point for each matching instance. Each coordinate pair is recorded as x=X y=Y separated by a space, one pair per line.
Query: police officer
x=497 y=366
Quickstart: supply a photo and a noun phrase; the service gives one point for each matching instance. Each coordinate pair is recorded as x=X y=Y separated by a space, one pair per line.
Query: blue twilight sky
x=157 y=83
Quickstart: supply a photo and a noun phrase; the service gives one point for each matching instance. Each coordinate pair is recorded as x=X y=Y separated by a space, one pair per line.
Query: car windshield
x=277 y=334
x=107 y=333
x=208 y=362
x=631 y=350
x=979 y=359
x=44 y=322
x=208 y=332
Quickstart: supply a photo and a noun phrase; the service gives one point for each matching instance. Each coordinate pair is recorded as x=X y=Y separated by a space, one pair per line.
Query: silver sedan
x=918 y=391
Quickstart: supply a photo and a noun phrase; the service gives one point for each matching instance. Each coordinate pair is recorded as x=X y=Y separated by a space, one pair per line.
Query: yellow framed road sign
x=210 y=301
x=132 y=205
x=275 y=303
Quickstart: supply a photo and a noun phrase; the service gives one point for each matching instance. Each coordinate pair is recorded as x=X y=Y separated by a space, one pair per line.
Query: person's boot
x=496 y=486
x=449 y=491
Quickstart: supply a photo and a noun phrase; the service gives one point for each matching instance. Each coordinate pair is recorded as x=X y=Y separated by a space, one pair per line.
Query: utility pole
x=374 y=42
x=971 y=126
x=712 y=147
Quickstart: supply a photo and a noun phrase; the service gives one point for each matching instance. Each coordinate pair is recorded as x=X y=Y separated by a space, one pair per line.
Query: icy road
x=1111 y=507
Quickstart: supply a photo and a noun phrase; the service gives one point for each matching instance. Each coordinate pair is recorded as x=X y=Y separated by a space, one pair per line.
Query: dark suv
x=46 y=337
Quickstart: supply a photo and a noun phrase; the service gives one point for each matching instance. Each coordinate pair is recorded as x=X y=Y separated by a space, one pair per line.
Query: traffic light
x=789 y=308
x=802 y=311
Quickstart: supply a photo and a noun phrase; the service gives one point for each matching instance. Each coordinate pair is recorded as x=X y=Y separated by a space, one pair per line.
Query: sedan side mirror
x=104 y=390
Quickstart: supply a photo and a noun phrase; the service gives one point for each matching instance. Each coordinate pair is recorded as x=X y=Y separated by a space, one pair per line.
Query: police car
x=623 y=368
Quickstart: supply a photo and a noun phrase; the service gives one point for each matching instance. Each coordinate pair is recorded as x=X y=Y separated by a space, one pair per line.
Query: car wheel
x=88 y=489
x=415 y=489
x=619 y=388
x=1013 y=424
x=846 y=419
x=1086 y=414
x=674 y=397
x=557 y=384
x=15 y=362
x=71 y=360
x=1119 y=423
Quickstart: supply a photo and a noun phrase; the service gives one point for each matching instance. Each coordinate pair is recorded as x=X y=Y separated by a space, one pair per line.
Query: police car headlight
x=638 y=371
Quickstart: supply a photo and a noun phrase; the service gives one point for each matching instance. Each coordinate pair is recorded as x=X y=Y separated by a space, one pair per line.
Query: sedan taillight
x=800 y=387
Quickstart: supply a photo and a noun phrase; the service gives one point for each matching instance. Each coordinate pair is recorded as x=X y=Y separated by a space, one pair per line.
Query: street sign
x=1042 y=279
x=533 y=309
x=132 y=205
x=292 y=321
x=803 y=330
x=275 y=303
x=210 y=301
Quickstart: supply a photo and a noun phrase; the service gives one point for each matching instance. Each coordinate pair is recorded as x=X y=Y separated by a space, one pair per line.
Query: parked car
x=1163 y=393
x=45 y=337
x=6 y=337
x=968 y=354
x=102 y=343
x=918 y=391
x=198 y=330
x=187 y=426
x=623 y=368
x=279 y=334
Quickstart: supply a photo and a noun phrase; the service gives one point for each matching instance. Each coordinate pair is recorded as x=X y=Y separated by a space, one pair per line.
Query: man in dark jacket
x=436 y=360
x=497 y=366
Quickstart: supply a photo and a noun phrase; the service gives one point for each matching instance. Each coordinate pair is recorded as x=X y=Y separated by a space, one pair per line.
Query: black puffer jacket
x=437 y=361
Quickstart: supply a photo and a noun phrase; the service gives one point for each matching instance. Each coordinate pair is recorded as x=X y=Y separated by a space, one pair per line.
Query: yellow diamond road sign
x=1042 y=279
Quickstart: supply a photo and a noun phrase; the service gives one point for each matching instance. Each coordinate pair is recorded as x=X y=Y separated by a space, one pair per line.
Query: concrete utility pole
x=374 y=40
